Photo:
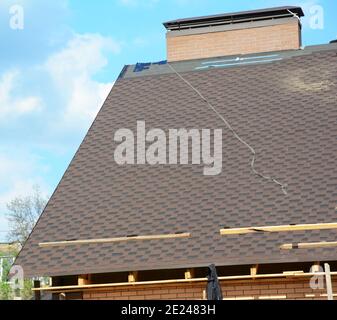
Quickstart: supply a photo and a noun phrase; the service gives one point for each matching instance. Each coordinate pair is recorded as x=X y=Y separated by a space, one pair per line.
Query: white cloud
x=19 y=188
x=72 y=70
x=11 y=104
x=19 y=171
x=78 y=98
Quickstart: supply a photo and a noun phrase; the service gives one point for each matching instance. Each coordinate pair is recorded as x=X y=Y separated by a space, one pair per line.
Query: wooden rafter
x=84 y=279
x=189 y=274
x=253 y=270
x=133 y=277
x=113 y=240
x=281 y=228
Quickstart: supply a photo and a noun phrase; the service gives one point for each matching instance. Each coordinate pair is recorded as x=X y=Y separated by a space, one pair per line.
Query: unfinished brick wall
x=292 y=288
x=150 y=292
x=262 y=39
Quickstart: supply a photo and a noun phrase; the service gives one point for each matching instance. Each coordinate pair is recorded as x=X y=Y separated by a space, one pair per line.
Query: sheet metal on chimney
x=235 y=16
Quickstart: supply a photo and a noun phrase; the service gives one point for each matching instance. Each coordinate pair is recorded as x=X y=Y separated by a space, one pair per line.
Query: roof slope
x=285 y=109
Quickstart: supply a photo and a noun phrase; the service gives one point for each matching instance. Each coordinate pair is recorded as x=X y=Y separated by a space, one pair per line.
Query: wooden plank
x=328 y=281
x=189 y=274
x=121 y=284
x=113 y=240
x=133 y=277
x=293 y=273
x=281 y=228
x=238 y=298
x=253 y=271
x=83 y=280
x=308 y=245
x=224 y=278
x=273 y=297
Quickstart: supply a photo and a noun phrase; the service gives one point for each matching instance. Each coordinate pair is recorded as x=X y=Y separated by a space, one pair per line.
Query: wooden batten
x=113 y=240
x=281 y=228
x=291 y=274
x=308 y=245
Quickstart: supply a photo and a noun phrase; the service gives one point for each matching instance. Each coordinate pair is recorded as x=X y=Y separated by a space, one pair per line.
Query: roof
x=285 y=108
x=234 y=17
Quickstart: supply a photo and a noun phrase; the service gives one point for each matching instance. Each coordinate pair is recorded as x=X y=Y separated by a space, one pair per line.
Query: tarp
x=213 y=285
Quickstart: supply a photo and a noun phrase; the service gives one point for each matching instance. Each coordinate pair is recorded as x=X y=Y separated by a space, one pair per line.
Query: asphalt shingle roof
x=286 y=109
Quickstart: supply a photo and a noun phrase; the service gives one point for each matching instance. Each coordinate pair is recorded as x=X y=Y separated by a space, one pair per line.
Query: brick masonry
x=245 y=41
x=291 y=289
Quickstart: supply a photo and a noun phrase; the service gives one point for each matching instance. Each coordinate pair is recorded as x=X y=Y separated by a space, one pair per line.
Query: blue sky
x=57 y=71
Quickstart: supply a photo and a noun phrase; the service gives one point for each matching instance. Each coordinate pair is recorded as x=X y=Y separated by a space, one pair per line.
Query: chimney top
x=247 y=32
x=237 y=17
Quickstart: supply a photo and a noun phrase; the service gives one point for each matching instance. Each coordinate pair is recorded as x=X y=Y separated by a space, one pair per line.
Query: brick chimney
x=257 y=31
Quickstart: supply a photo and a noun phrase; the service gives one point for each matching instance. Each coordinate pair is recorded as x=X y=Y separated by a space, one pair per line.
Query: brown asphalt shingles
x=286 y=110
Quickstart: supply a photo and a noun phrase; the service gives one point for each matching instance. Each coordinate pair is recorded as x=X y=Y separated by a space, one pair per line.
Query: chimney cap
x=236 y=17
